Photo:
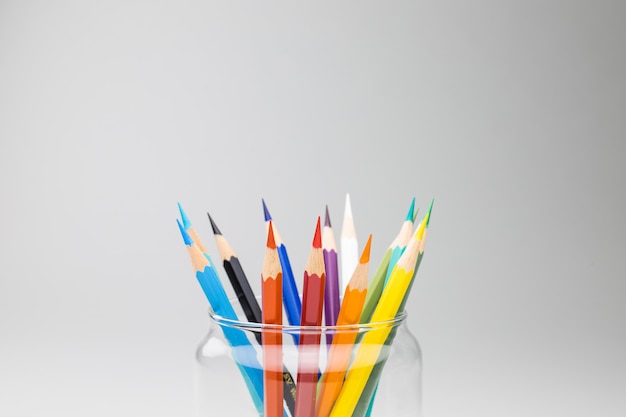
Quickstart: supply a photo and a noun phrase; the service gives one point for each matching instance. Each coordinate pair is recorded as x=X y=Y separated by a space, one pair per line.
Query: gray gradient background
x=510 y=113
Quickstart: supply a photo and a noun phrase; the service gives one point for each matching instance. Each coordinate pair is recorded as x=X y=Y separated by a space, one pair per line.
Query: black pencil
x=248 y=301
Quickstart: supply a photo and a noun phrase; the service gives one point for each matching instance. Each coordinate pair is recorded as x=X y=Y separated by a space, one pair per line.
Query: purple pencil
x=331 y=294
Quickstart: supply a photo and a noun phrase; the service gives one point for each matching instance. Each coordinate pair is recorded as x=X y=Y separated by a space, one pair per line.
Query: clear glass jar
x=224 y=375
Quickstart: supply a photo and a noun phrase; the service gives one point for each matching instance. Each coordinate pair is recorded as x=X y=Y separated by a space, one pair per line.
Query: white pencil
x=349 y=247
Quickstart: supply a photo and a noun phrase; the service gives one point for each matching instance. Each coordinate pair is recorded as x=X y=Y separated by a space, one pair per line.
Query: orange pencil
x=308 y=351
x=343 y=341
x=272 y=278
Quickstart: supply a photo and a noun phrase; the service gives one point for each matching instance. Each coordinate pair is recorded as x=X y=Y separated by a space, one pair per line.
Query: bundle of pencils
x=347 y=384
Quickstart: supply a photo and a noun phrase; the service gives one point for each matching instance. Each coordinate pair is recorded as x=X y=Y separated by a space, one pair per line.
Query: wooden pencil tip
x=183 y=216
x=183 y=232
x=317 y=239
x=271 y=243
x=365 y=256
x=419 y=233
x=266 y=212
x=327 y=218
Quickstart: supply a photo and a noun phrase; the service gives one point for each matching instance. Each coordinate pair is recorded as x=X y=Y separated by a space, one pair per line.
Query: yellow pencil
x=374 y=340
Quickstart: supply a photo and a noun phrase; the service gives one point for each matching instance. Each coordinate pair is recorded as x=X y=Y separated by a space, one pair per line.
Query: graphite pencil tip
x=365 y=256
x=411 y=213
x=317 y=239
x=183 y=232
x=266 y=212
x=327 y=218
x=271 y=243
x=183 y=216
x=216 y=230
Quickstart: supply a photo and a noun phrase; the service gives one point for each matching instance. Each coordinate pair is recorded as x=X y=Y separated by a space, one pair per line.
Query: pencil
x=349 y=247
x=331 y=295
x=308 y=351
x=237 y=277
x=243 y=352
x=272 y=280
x=248 y=301
x=343 y=342
x=372 y=343
x=190 y=230
x=401 y=241
x=377 y=284
x=366 y=401
x=291 y=299
x=396 y=249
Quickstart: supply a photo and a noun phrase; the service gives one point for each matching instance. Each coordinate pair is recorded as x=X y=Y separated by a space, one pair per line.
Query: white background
x=511 y=114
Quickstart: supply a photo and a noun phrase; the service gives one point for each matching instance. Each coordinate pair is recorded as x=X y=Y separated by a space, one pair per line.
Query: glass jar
x=228 y=374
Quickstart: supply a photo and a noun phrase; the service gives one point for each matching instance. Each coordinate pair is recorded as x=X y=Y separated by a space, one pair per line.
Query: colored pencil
x=377 y=283
x=343 y=342
x=272 y=281
x=243 y=352
x=237 y=277
x=331 y=295
x=308 y=351
x=291 y=299
x=349 y=247
x=248 y=301
x=397 y=248
x=372 y=343
x=190 y=230
x=401 y=241
x=366 y=401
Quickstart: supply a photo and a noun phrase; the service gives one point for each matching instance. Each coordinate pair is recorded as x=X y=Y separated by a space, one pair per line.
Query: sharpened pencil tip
x=271 y=243
x=417 y=210
x=419 y=233
x=411 y=213
x=327 y=218
x=430 y=209
x=365 y=256
x=186 y=238
x=184 y=218
x=317 y=239
x=266 y=212
x=348 y=208
x=216 y=230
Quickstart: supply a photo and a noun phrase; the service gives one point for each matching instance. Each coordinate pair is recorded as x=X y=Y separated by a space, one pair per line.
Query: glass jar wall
x=369 y=370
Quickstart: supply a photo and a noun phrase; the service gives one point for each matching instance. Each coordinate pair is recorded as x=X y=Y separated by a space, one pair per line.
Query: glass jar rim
x=292 y=329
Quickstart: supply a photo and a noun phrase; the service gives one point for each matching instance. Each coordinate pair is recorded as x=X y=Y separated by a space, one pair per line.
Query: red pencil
x=272 y=278
x=308 y=351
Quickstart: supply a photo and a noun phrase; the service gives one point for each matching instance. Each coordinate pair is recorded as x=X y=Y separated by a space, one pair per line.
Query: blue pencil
x=243 y=351
x=291 y=298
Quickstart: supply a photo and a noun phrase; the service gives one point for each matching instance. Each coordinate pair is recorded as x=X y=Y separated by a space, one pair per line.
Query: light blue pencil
x=243 y=351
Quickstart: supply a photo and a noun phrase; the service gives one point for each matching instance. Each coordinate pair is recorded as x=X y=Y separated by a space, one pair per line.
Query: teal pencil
x=399 y=244
x=385 y=266
x=397 y=249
